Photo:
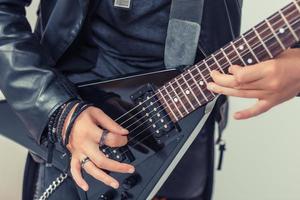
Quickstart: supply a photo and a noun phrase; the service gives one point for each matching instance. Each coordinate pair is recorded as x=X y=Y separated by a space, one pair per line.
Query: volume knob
x=131 y=181
x=109 y=195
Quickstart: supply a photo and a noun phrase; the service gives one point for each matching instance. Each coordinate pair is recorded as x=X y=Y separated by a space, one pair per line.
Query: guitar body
x=164 y=110
x=156 y=144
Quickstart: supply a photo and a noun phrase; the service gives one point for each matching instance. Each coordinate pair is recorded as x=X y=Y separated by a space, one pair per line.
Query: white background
x=263 y=157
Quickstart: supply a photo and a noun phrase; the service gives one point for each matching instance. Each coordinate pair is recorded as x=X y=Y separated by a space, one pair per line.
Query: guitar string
x=259 y=25
x=138 y=134
x=222 y=65
x=178 y=93
x=201 y=71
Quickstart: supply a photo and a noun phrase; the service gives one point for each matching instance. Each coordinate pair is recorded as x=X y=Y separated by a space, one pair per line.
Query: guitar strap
x=181 y=47
x=183 y=32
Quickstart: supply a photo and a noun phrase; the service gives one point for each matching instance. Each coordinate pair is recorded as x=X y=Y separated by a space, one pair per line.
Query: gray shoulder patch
x=181 y=43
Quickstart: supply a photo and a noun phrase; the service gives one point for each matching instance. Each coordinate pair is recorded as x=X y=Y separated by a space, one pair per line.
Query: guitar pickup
x=152 y=112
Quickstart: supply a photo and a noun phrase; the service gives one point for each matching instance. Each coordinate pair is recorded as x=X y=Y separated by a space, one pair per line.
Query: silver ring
x=103 y=137
x=84 y=161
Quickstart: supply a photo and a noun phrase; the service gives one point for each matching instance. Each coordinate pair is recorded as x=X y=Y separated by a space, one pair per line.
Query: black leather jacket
x=30 y=76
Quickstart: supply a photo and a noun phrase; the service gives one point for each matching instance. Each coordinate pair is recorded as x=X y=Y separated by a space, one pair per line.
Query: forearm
x=32 y=88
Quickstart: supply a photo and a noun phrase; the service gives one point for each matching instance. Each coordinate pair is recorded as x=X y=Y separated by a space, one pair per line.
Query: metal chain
x=53 y=186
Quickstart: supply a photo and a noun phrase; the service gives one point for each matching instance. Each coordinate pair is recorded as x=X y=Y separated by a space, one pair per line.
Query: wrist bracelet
x=62 y=119
x=79 y=109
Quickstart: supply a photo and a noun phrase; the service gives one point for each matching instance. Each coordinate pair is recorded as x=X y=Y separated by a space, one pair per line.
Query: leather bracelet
x=62 y=119
x=79 y=109
x=53 y=131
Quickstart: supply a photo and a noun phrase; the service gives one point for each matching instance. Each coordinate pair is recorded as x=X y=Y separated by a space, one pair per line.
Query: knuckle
x=106 y=180
x=100 y=160
x=275 y=85
x=272 y=70
x=239 y=78
x=70 y=146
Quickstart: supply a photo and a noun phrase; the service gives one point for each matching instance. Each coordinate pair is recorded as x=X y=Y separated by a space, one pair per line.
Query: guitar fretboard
x=268 y=39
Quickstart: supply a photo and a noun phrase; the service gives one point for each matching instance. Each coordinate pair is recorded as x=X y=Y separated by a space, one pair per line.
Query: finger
x=223 y=79
x=114 y=140
x=107 y=123
x=76 y=174
x=247 y=74
x=255 y=85
x=234 y=92
x=111 y=139
x=259 y=108
x=100 y=175
x=101 y=161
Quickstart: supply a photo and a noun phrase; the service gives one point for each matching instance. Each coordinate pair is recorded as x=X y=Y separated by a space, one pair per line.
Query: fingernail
x=131 y=170
x=209 y=86
x=125 y=131
x=85 y=187
x=114 y=185
x=237 y=115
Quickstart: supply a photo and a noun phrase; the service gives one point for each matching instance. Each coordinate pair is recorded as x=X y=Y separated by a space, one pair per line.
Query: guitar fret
x=184 y=93
x=263 y=43
x=200 y=89
x=235 y=49
x=172 y=99
x=274 y=33
x=179 y=99
x=292 y=15
x=218 y=64
x=203 y=78
x=250 y=49
x=222 y=50
x=168 y=106
x=206 y=65
x=289 y=26
x=297 y=5
x=266 y=34
x=191 y=90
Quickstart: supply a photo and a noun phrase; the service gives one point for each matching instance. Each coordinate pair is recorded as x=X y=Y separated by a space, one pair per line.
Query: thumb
x=107 y=123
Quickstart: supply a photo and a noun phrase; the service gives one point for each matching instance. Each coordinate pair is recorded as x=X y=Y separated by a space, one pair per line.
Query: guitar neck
x=268 y=39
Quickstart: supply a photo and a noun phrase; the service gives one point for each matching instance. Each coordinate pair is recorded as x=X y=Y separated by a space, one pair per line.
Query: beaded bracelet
x=51 y=135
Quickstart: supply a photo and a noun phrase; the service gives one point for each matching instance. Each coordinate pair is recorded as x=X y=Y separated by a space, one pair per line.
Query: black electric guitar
x=165 y=110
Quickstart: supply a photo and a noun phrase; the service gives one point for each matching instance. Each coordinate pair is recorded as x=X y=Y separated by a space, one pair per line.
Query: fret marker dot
x=187 y=92
x=154 y=126
x=148 y=97
x=151 y=103
x=201 y=83
x=150 y=120
x=175 y=100
x=241 y=47
x=162 y=121
x=249 y=61
x=147 y=114
x=158 y=115
x=155 y=109
x=281 y=30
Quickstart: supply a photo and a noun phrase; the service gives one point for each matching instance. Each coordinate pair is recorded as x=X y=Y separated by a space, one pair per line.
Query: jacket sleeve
x=31 y=86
